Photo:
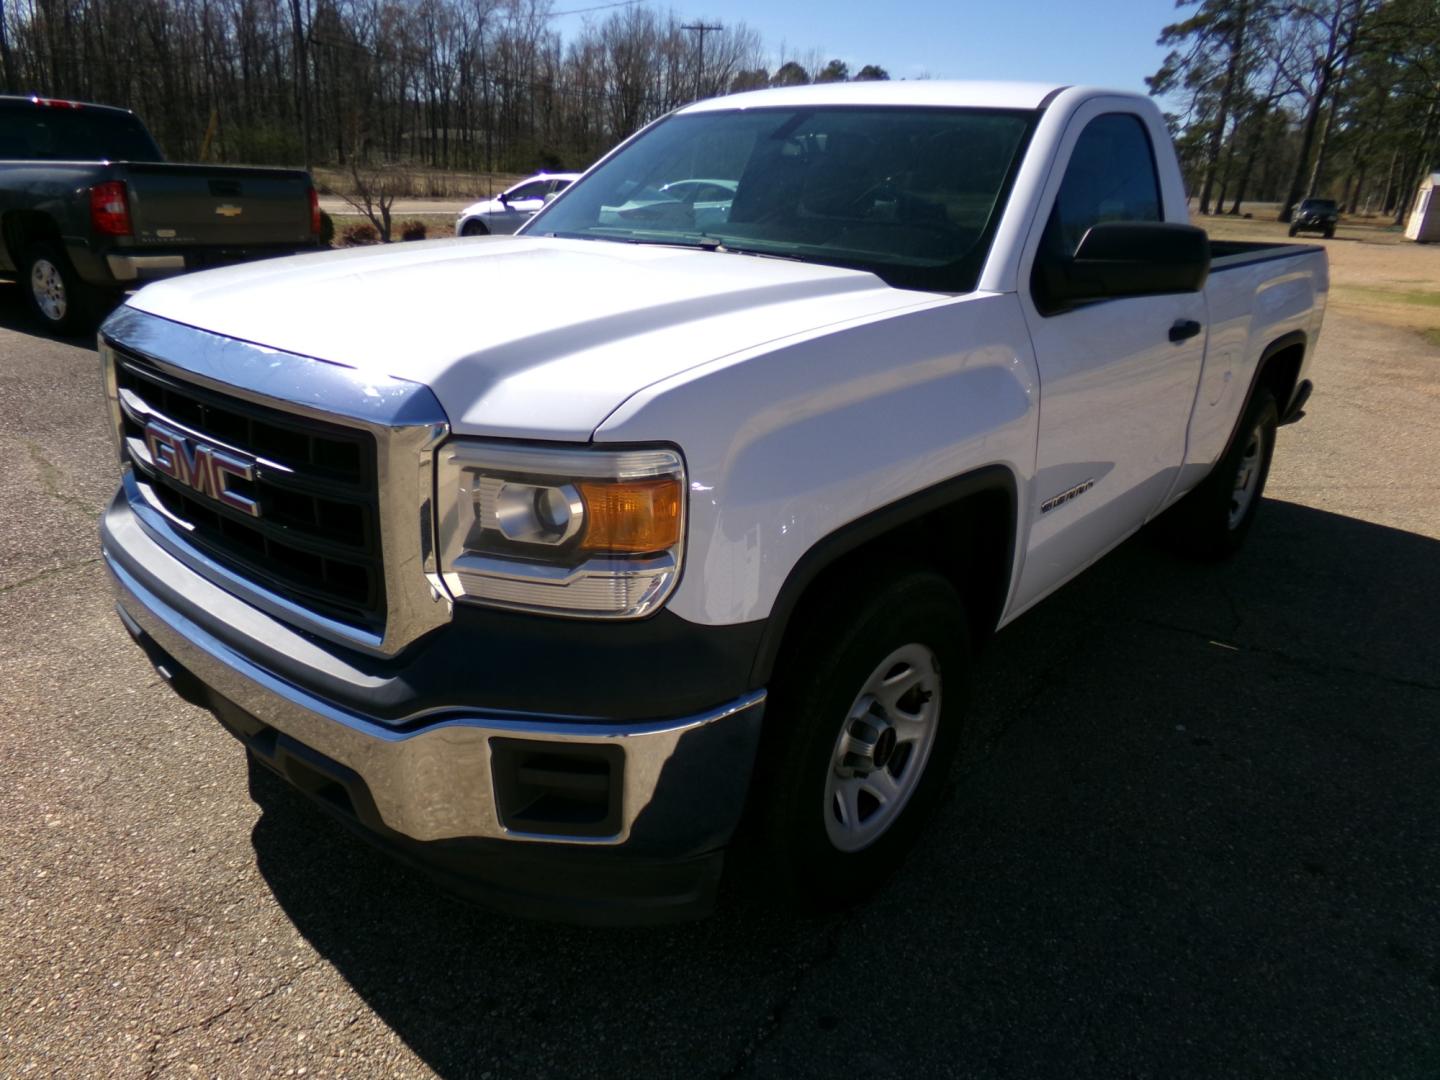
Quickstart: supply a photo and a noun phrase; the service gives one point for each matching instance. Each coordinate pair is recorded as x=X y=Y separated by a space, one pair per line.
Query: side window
x=558 y=186
x=533 y=190
x=1111 y=177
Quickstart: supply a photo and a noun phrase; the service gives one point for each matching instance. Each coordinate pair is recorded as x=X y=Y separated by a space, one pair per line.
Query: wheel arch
x=21 y=228
x=964 y=527
x=1279 y=372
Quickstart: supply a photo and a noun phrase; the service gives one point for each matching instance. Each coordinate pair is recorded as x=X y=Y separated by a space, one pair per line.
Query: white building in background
x=1424 y=223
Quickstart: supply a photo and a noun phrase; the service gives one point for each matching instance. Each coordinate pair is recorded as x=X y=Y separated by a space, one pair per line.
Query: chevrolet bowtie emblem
x=228 y=210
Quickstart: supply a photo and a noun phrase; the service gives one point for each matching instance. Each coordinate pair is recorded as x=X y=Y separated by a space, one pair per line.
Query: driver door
x=1117 y=377
x=520 y=205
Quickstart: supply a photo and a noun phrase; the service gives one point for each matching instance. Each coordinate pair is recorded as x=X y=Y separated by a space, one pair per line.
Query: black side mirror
x=1128 y=258
x=504 y=197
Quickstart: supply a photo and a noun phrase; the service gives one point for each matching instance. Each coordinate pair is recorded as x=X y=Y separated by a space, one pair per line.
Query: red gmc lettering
x=201 y=468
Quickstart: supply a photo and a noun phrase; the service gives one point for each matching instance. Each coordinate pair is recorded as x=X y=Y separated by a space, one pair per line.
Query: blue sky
x=1102 y=42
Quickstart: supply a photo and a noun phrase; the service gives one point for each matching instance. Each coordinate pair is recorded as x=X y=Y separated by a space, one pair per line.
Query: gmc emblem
x=204 y=469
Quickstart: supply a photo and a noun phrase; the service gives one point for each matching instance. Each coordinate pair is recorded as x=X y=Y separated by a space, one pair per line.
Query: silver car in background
x=512 y=207
x=697 y=203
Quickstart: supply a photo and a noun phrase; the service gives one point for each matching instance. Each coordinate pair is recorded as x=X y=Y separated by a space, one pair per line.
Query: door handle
x=1185 y=328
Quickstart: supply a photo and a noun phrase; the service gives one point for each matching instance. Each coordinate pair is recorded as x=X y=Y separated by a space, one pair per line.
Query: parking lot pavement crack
x=776 y=1014
x=51 y=484
x=207 y=1022
x=1237 y=620
x=1042 y=680
x=43 y=574
x=1310 y=664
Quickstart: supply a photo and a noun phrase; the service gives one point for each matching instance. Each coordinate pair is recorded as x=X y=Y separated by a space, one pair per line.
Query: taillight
x=110 y=209
x=314 y=212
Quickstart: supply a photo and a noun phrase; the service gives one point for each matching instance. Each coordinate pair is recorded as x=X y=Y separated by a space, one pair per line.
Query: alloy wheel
x=1247 y=477
x=47 y=286
x=883 y=746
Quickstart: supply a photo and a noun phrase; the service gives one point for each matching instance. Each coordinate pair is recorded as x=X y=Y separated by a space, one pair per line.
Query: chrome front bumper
x=683 y=781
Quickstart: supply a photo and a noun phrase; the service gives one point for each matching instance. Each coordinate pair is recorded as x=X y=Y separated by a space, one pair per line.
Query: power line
x=597 y=7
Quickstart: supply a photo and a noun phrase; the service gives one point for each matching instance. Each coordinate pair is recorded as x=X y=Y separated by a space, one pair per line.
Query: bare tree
x=1330 y=30
x=372 y=195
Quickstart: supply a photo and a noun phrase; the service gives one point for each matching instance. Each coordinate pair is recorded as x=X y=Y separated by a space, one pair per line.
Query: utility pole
x=700 y=30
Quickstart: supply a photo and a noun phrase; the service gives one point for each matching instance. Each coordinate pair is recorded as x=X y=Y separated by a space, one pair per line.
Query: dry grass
x=438 y=226
x=1375 y=273
x=417 y=182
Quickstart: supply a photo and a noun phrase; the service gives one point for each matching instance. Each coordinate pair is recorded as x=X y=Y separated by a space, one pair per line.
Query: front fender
x=788 y=444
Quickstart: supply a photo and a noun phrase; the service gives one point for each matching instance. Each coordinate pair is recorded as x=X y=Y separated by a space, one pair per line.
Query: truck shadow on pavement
x=15 y=316
x=1198 y=832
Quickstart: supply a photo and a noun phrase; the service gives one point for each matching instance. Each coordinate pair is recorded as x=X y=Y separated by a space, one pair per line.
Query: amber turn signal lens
x=631 y=517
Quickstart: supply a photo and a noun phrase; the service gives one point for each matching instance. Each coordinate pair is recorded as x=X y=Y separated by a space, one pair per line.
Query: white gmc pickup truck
x=541 y=560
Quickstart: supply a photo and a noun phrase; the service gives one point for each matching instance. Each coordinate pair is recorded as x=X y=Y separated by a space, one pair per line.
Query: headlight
x=590 y=533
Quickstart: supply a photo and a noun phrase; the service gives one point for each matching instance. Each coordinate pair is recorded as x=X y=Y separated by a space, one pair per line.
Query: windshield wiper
x=693 y=241
x=762 y=253
x=704 y=243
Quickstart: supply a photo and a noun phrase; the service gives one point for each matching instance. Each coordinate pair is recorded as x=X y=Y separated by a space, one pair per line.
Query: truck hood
x=522 y=337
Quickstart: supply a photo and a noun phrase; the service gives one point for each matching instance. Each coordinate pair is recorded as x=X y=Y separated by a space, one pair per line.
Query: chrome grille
x=316 y=540
x=346 y=541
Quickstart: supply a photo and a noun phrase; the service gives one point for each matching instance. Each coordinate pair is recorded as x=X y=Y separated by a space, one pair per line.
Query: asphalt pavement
x=1198 y=834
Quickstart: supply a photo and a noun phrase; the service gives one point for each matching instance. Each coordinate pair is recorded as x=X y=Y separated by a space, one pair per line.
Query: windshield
x=1318 y=204
x=31 y=132
x=910 y=194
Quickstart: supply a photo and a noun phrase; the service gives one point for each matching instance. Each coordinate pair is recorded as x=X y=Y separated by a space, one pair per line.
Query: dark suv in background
x=1315 y=215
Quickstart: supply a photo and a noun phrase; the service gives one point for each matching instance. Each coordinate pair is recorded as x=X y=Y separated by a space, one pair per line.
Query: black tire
x=1294 y=230
x=1212 y=521
x=1329 y=234
x=842 y=641
x=474 y=228
x=58 y=300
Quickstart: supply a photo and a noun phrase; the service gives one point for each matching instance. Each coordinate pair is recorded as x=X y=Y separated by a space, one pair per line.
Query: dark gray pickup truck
x=90 y=208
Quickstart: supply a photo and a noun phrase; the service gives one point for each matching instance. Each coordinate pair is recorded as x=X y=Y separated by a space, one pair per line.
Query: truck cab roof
x=954 y=93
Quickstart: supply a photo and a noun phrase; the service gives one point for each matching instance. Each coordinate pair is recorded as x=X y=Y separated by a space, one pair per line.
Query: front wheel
x=474 y=228
x=54 y=293
x=863 y=723
x=1294 y=230
x=1212 y=521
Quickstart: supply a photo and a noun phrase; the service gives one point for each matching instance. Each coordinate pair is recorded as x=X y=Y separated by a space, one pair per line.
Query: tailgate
x=216 y=205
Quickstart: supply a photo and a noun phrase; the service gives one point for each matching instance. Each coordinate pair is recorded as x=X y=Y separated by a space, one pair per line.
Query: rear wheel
x=56 y=296
x=863 y=723
x=1213 y=520
x=1330 y=233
